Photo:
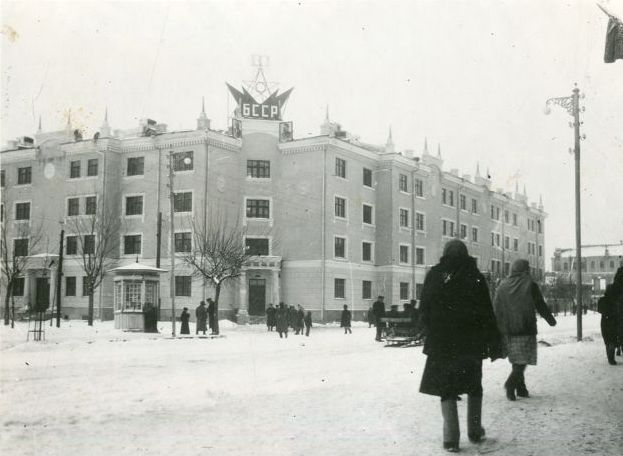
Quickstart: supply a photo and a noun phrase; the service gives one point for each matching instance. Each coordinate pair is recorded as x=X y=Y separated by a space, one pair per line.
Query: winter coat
x=270 y=316
x=457 y=318
x=300 y=318
x=345 y=320
x=610 y=306
x=201 y=313
x=211 y=315
x=516 y=302
x=184 y=318
x=282 y=322
x=378 y=308
x=371 y=318
x=308 y=320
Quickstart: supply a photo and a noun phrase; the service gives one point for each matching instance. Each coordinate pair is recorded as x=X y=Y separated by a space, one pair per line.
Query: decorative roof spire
x=39 y=130
x=516 y=187
x=477 y=169
x=425 y=146
x=106 y=115
x=541 y=201
x=203 y=123
x=105 y=128
x=488 y=173
x=326 y=115
x=203 y=105
x=438 y=150
x=68 y=126
x=389 y=145
x=524 y=190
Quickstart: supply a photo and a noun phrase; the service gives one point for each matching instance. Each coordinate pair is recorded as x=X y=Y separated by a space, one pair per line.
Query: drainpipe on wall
x=324 y=228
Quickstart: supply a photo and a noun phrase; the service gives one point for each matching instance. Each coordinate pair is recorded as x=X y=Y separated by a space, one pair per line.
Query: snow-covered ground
x=98 y=391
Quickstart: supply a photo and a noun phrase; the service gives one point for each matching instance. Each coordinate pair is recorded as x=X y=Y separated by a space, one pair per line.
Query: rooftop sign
x=269 y=109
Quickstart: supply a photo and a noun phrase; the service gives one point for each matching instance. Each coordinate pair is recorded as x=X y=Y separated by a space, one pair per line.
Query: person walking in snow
x=185 y=318
x=211 y=315
x=378 y=308
x=282 y=320
x=201 y=313
x=370 y=317
x=300 y=320
x=270 y=317
x=516 y=300
x=457 y=318
x=610 y=306
x=345 y=320
x=308 y=323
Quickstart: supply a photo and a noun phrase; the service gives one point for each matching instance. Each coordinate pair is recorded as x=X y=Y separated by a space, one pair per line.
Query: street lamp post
x=571 y=105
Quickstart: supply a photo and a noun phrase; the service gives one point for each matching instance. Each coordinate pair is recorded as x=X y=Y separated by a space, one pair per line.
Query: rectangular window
x=507 y=268
x=492 y=212
x=70 y=286
x=88 y=247
x=340 y=207
x=24 y=175
x=404 y=290
x=136 y=166
x=463 y=199
x=497 y=239
x=2 y=178
x=506 y=217
x=366 y=251
x=183 y=202
x=419 y=187
x=73 y=207
x=404 y=218
x=444 y=196
x=20 y=247
x=183 y=285
x=18 y=286
x=132 y=244
x=22 y=211
x=183 y=161
x=463 y=231
x=474 y=234
x=91 y=205
x=541 y=250
x=447 y=228
x=259 y=169
x=258 y=208
x=183 y=242
x=474 y=206
x=339 y=288
x=451 y=198
x=367 y=177
x=419 y=256
x=516 y=245
x=72 y=245
x=367 y=214
x=402 y=183
x=404 y=254
x=492 y=239
x=340 y=167
x=257 y=246
x=85 y=286
x=92 y=167
x=340 y=247
x=539 y=227
x=507 y=242
x=418 y=290
x=419 y=221
x=366 y=289
x=74 y=169
x=514 y=219
x=134 y=205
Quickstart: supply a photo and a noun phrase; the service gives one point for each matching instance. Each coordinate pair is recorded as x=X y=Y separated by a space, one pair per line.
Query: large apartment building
x=333 y=220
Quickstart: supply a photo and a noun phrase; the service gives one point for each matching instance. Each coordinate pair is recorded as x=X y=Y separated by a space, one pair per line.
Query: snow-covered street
x=97 y=391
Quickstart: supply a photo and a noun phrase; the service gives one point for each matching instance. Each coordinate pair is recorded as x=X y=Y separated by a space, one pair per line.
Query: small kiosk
x=136 y=294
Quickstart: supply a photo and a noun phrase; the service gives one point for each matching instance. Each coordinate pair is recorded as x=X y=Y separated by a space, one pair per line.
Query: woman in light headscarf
x=458 y=322
x=517 y=300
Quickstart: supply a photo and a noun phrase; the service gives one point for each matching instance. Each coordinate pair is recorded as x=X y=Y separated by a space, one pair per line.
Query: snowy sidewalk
x=97 y=391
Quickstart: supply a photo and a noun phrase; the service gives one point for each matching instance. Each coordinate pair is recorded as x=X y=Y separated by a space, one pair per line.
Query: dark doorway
x=42 y=297
x=257 y=296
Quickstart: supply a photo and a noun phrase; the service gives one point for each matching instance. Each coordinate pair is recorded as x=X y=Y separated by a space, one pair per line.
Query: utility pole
x=572 y=105
x=172 y=243
x=59 y=279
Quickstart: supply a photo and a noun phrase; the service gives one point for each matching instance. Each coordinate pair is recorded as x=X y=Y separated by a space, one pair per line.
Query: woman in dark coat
x=345 y=320
x=610 y=306
x=308 y=323
x=270 y=317
x=517 y=299
x=458 y=320
x=184 y=318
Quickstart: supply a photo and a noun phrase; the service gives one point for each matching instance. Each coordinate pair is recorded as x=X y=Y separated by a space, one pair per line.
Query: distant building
x=599 y=264
x=333 y=220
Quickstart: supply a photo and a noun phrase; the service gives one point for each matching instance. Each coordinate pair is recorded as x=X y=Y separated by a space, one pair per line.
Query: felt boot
x=451 y=431
x=610 y=354
x=475 y=431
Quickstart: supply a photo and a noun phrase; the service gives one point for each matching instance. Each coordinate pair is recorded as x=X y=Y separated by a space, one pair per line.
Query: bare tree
x=218 y=253
x=97 y=244
x=13 y=256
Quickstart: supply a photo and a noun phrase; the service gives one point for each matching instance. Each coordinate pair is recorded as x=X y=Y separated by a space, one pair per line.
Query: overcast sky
x=473 y=76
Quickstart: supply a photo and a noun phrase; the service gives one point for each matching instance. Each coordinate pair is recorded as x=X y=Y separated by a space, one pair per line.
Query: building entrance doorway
x=42 y=297
x=257 y=296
